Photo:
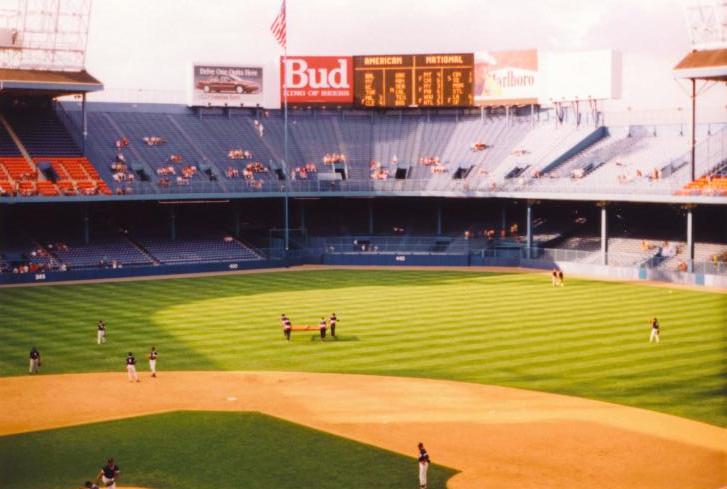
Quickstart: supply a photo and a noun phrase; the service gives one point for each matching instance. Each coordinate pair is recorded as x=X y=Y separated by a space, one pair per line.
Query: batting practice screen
x=422 y=80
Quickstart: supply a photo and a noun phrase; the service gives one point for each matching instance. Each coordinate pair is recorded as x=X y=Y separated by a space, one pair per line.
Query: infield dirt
x=497 y=437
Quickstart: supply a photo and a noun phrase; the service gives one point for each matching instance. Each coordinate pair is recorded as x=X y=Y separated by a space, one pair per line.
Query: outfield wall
x=144 y=271
x=381 y=259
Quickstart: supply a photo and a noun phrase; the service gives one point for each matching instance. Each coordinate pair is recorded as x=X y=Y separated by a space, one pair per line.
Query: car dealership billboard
x=317 y=80
x=226 y=85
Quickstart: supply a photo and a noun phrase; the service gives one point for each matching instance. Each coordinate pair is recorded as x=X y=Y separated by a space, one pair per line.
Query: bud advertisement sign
x=317 y=79
x=225 y=85
x=506 y=77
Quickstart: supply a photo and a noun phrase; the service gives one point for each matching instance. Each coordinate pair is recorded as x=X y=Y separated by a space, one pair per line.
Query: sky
x=151 y=44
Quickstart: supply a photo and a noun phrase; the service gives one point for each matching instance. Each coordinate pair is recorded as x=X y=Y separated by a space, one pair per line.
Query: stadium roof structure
x=707 y=64
x=52 y=83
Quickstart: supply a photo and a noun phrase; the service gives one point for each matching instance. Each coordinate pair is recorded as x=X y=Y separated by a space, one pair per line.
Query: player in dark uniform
x=654 y=331
x=332 y=322
x=153 y=355
x=34 y=360
x=423 y=465
x=287 y=327
x=131 y=368
x=323 y=327
x=560 y=278
x=108 y=474
x=101 y=332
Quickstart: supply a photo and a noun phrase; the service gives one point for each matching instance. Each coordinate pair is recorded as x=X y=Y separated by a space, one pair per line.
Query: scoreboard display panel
x=422 y=80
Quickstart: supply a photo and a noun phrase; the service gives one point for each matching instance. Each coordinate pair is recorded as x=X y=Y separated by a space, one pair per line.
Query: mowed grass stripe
x=510 y=329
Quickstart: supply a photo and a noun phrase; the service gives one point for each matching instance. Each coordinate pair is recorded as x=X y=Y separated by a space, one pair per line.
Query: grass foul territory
x=191 y=450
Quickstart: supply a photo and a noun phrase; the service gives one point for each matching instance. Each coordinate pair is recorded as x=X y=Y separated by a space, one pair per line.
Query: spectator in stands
x=153 y=140
x=479 y=146
x=259 y=127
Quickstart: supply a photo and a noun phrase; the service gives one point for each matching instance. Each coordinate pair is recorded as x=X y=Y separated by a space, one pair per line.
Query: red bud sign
x=317 y=79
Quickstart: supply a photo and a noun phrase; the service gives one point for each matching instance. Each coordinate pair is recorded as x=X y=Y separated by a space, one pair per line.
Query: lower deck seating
x=198 y=250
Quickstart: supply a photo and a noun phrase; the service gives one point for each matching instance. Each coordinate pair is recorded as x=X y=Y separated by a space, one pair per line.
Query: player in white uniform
x=100 y=332
x=423 y=466
x=153 y=354
x=131 y=368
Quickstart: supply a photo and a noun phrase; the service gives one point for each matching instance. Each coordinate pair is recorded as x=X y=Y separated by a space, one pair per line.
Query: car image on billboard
x=225 y=85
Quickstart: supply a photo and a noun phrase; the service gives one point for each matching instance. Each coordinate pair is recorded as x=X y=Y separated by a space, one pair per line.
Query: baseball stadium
x=342 y=245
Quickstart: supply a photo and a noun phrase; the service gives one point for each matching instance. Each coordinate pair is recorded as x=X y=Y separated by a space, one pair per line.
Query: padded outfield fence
x=420 y=251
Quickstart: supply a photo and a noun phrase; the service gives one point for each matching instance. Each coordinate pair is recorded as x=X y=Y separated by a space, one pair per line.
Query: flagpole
x=285 y=130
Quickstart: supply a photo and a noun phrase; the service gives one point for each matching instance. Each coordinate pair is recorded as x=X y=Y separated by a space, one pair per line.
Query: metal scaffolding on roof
x=44 y=34
x=706 y=23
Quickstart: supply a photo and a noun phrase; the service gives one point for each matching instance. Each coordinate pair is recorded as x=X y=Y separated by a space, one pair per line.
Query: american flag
x=279 y=26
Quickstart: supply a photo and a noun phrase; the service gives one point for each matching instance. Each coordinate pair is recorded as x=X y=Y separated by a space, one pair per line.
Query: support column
x=532 y=115
x=604 y=234
x=693 y=133
x=529 y=229
x=302 y=214
x=371 y=216
x=172 y=223
x=690 y=241
x=439 y=219
x=286 y=224
x=503 y=216
x=86 y=225
x=236 y=218
x=84 y=123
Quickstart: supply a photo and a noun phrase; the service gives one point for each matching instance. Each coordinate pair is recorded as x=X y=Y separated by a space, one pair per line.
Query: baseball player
x=560 y=278
x=90 y=485
x=287 y=327
x=34 y=360
x=554 y=277
x=323 y=327
x=100 y=332
x=423 y=466
x=131 y=368
x=108 y=474
x=332 y=323
x=153 y=354
x=654 y=331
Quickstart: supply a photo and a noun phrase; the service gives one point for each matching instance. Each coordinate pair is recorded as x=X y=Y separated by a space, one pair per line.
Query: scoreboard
x=422 y=80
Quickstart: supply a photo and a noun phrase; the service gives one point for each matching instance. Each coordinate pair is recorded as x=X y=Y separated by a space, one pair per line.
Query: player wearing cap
x=153 y=354
x=100 y=332
x=423 y=465
x=287 y=327
x=323 y=327
x=654 y=331
x=131 y=368
x=34 y=360
x=332 y=323
x=108 y=474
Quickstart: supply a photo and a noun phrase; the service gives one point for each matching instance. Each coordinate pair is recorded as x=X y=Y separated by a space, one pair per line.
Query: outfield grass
x=588 y=339
x=219 y=450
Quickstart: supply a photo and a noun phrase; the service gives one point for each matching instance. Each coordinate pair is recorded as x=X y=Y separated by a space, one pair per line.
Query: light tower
x=44 y=34
x=706 y=23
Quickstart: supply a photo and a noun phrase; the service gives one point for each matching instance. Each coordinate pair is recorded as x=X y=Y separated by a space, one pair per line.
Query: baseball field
x=510 y=382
